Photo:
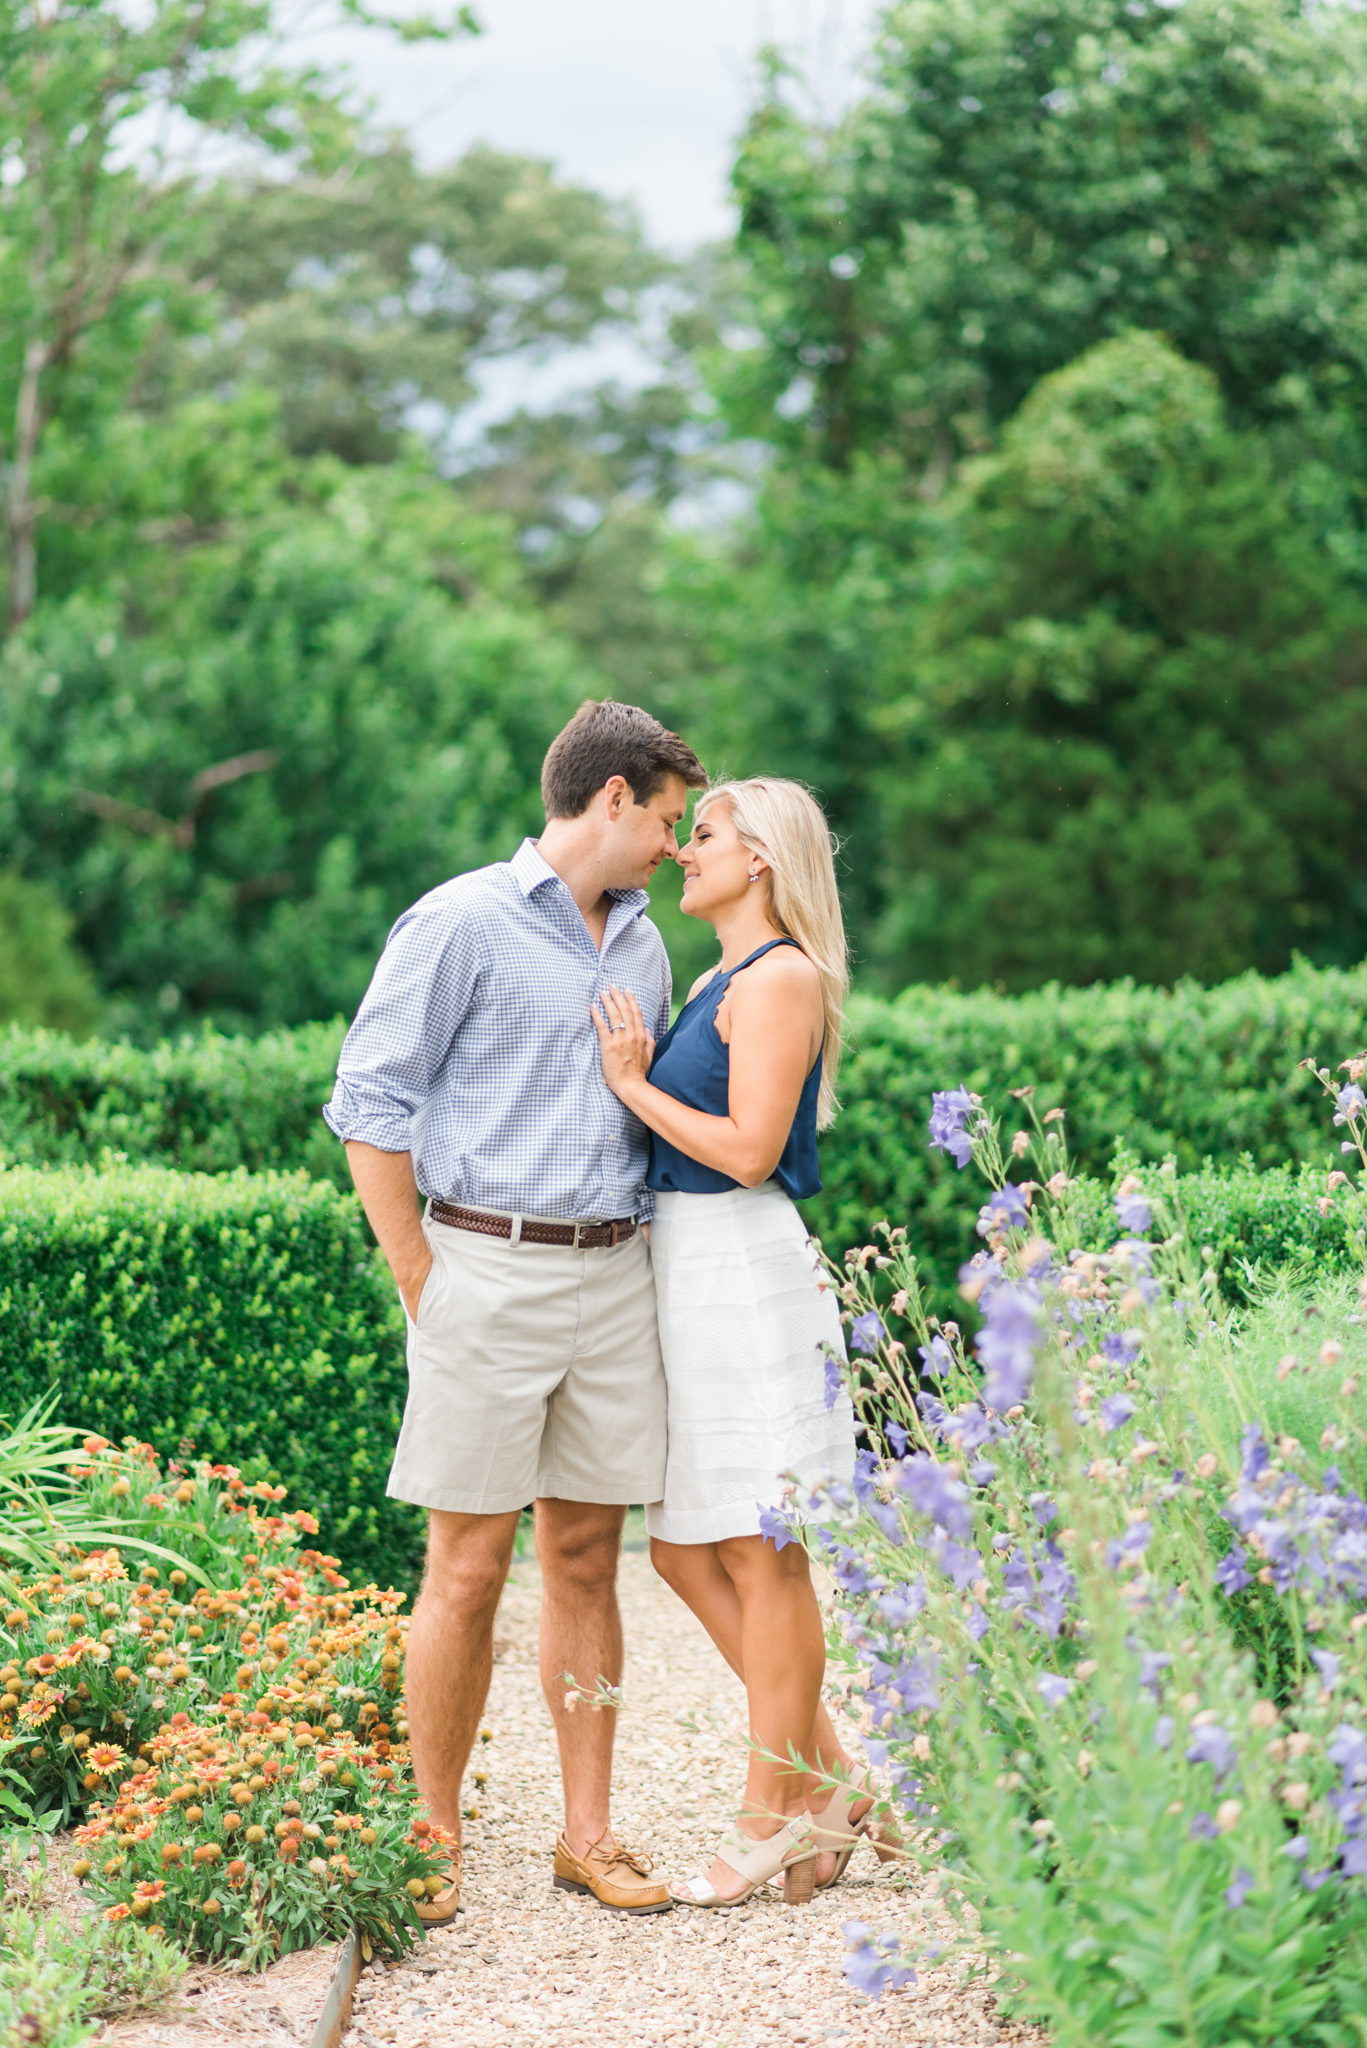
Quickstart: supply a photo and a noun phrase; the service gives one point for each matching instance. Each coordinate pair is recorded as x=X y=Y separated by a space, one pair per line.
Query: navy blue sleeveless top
x=692 y=1064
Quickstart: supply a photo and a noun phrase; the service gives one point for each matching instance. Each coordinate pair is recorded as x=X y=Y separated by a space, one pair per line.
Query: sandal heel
x=799 y=1882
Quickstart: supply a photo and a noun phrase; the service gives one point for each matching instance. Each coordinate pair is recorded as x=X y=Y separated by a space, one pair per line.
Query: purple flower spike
x=936 y=1357
x=1202 y=1829
x=933 y=1490
x=775 y=1527
x=1211 y=1745
x=1005 y=1209
x=1134 y=1212
x=867 y=1332
x=1051 y=1688
x=1240 y=1889
x=1232 y=1573
x=1115 y=1411
x=874 y=1963
x=949 y=1110
x=1327 y=1664
x=1006 y=1344
x=1349 y=1104
x=834 y=1381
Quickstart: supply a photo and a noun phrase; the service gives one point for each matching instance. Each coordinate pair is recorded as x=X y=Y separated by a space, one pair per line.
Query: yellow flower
x=106 y=1758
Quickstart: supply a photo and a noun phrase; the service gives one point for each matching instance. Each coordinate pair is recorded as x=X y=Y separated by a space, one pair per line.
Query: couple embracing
x=610 y=1295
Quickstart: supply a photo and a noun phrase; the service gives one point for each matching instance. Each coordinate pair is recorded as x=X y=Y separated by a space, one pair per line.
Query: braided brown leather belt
x=522 y=1229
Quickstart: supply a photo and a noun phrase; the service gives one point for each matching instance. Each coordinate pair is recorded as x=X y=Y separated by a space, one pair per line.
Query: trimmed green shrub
x=205 y=1104
x=1249 y=1222
x=246 y=1316
x=1193 y=1072
x=1198 y=1073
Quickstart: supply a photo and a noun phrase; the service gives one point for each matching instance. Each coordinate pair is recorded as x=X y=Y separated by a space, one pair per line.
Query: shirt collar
x=532 y=871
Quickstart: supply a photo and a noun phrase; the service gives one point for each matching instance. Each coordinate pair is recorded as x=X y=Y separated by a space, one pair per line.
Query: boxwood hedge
x=245 y=1315
x=1199 y=1073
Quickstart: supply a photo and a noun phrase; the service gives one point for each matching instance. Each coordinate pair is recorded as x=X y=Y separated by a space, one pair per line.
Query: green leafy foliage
x=57 y=1981
x=316 y=732
x=248 y=1317
x=231 y=1751
x=43 y=980
x=1198 y=1073
x=1137 y=1727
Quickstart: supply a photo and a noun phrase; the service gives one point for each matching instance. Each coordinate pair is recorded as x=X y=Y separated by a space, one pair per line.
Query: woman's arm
x=775 y=1027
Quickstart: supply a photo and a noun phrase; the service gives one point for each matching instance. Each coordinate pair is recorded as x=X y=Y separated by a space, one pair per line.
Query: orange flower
x=105 y=1758
x=117 y=1912
x=150 y=1889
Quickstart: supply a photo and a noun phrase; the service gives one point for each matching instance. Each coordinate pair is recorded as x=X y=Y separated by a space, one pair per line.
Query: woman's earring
x=754 y=878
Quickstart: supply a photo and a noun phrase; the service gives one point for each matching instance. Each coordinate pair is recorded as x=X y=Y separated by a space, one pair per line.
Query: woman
x=733 y=1097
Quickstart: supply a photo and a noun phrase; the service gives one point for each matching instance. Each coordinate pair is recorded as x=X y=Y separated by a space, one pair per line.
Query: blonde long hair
x=784 y=822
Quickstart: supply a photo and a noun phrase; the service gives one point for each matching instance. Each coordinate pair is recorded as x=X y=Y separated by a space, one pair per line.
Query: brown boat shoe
x=618 y=1878
x=435 y=1912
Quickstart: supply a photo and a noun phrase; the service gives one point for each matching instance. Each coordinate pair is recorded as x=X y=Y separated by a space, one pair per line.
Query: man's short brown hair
x=606 y=739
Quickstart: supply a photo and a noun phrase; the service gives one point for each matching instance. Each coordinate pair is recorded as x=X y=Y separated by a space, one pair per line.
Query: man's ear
x=617 y=796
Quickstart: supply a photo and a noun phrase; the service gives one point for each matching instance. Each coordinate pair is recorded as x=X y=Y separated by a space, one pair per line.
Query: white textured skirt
x=744 y=1328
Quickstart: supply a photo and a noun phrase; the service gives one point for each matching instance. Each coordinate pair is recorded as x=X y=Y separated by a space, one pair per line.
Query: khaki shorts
x=533 y=1372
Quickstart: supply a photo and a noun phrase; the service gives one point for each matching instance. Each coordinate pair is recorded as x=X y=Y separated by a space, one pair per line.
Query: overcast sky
x=640 y=98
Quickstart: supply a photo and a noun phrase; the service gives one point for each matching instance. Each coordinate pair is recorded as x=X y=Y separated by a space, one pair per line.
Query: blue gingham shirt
x=474 y=1048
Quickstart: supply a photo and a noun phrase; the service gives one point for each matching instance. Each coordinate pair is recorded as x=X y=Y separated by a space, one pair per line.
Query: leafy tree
x=1031 y=176
x=43 y=980
x=377 y=293
x=99 y=235
x=1128 y=731
x=331 y=710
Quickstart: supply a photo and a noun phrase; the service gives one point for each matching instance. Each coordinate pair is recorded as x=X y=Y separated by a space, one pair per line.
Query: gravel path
x=524 y=1962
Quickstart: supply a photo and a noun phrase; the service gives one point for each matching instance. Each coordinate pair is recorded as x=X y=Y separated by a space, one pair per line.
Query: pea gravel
x=525 y=1963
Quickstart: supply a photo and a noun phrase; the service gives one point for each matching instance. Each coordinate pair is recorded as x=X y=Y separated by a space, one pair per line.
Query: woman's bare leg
x=758 y=1605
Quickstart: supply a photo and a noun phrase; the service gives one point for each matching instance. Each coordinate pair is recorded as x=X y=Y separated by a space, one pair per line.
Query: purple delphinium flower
x=1212 y=1745
x=1298 y=1848
x=1051 y=1688
x=1118 y=1347
x=1202 y=1829
x=874 y=1963
x=1134 y=1212
x=1162 y=1731
x=1004 y=1209
x=950 y=1109
x=981 y=1472
x=1133 y=1543
x=933 y=1490
x=960 y=1565
x=1327 y=1664
x=1232 y=1573
x=867 y=1332
x=1236 y=1893
x=775 y=1527
x=1151 y=1663
x=901 y=1603
x=834 y=1381
x=1043 y=1509
x=918 y=1682
x=1313 y=1879
x=1006 y=1343
x=1115 y=1411
x=977 y=1623
x=1253 y=1453
x=1347 y=1747
x=1349 y=1103
x=936 y=1357
x=897 y=1437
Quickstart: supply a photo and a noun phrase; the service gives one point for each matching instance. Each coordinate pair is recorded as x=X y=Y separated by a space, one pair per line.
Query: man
x=472 y=1075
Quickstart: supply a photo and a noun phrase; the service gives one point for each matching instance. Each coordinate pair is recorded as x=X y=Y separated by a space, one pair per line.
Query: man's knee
x=578 y=1546
x=467 y=1563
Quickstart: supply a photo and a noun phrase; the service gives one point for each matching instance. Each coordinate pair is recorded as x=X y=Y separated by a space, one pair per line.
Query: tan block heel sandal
x=790 y=1854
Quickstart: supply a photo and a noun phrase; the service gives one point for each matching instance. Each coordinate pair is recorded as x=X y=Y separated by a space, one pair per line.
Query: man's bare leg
x=451 y=1650
x=581 y=1632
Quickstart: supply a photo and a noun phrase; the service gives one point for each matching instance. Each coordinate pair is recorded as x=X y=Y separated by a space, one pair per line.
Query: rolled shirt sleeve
x=419 y=994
